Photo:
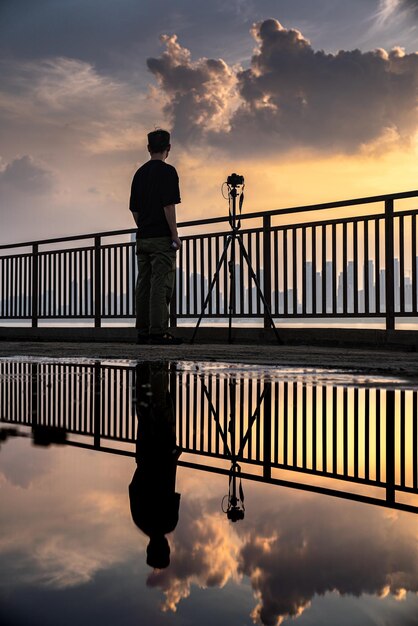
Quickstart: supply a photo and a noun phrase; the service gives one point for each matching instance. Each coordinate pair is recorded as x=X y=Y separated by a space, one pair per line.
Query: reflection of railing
x=363 y=436
x=346 y=267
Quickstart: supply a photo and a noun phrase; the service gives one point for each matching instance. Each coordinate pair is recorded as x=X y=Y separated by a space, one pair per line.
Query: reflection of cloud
x=369 y=554
x=204 y=553
x=69 y=523
x=19 y=468
x=291 y=96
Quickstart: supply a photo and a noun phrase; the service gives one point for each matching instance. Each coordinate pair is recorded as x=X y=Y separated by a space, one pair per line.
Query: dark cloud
x=291 y=95
x=197 y=92
x=24 y=175
x=410 y=4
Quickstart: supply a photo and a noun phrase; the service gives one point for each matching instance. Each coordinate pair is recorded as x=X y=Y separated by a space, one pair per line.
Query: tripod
x=234 y=181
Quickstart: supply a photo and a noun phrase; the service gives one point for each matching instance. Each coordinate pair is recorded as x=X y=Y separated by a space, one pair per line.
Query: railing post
x=267 y=430
x=173 y=302
x=389 y=266
x=97 y=404
x=390 y=446
x=267 y=267
x=35 y=288
x=34 y=393
x=97 y=279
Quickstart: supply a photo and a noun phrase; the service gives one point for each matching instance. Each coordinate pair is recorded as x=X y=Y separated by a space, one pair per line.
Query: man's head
x=158 y=552
x=159 y=141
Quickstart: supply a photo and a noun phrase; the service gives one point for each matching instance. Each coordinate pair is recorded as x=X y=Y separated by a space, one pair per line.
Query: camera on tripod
x=234 y=180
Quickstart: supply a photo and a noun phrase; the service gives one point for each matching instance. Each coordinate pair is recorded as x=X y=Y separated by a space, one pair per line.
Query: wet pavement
x=374 y=361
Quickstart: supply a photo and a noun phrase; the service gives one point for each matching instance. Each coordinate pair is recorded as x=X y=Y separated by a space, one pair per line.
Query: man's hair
x=158 y=552
x=158 y=140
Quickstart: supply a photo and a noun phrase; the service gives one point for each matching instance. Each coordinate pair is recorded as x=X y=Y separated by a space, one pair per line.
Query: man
x=154 y=195
x=153 y=498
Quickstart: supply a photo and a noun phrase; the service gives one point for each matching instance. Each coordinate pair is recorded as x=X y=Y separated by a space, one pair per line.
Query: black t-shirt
x=154 y=186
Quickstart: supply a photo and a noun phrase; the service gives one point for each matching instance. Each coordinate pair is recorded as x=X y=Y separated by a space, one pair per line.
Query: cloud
x=290 y=562
x=396 y=12
x=25 y=175
x=409 y=5
x=82 y=129
x=204 y=552
x=291 y=96
x=198 y=93
x=75 y=105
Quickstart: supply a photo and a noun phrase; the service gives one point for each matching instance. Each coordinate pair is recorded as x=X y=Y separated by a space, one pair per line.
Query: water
x=322 y=466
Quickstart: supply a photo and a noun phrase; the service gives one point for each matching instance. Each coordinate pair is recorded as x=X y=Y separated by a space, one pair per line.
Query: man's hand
x=177 y=241
x=170 y=214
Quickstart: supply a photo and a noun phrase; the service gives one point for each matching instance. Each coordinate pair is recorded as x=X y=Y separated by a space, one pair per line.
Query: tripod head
x=235 y=180
x=235 y=184
x=234 y=509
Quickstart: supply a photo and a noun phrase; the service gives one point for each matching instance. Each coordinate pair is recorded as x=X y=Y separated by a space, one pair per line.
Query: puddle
x=182 y=493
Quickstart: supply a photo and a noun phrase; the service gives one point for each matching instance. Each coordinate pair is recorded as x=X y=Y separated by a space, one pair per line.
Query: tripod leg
x=231 y=309
x=259 y=290
x=212 y=285
x=223 y=435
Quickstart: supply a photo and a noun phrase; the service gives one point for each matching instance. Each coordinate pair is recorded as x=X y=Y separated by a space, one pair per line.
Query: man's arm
x=136 y=215
x=170 y=215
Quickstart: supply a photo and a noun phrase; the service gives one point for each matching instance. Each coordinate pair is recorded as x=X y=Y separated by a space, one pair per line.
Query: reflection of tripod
x=235 y=509
x=234 y=181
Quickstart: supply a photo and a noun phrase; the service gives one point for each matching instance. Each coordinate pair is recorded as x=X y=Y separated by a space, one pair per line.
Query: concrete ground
x=397 y=362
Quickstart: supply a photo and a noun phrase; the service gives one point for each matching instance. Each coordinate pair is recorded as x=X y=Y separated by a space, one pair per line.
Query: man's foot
x=142 y=339
x=165 y=340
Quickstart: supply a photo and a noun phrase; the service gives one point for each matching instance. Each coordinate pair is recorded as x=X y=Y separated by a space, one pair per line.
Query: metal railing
x=362 y=437
x=358 y=266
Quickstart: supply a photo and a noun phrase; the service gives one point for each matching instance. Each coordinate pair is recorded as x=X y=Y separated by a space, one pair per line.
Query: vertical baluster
x=355 y=266
x=267 y=282
x=377 y=266
x=401 y=264
x=285 y=273
x=367 y=434
x=324 y=430
x=378 y=444
x=295 y=271
x=334 y=267
x=314 y=310
x=304 y=277
x=324 y=269
x=389 y=266
x=414 y=262
x=366 y=268
x=345 y=432
x=314 y=428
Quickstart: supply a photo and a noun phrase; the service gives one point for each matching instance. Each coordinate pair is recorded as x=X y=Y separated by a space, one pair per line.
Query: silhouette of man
x=154 y=195
x=152 y=493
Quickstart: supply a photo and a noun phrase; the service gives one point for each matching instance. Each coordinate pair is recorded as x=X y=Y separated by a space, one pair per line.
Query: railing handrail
x=216 y=220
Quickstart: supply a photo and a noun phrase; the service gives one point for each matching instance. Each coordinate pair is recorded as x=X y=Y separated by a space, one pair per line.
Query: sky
x=310 y=100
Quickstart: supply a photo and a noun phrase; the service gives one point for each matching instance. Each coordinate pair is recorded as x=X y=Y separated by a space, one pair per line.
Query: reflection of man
x=154 y=195
x=152 y=492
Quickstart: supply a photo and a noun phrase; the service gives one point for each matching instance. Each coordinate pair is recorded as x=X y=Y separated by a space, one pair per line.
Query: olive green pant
x=154 y=286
